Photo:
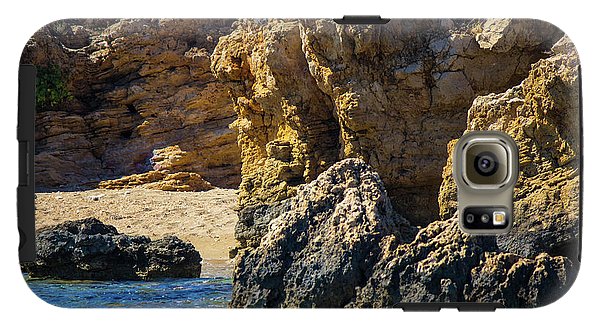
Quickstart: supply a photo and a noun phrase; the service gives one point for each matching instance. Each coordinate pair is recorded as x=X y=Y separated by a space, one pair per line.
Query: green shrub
x=51 y=88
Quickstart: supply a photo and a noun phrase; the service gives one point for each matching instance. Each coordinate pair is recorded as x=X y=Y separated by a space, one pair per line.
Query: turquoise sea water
x=212 y=290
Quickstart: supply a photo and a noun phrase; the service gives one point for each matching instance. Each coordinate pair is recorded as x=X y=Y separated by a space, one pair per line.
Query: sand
x=206 y=219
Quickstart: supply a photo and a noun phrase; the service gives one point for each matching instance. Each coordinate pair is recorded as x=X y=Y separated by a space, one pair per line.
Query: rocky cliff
x=131 y=92
x=540 y=114
x=533 y=265
x=310 y=92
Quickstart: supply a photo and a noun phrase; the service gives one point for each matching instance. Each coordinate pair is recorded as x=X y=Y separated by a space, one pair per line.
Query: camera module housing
x=485 y=169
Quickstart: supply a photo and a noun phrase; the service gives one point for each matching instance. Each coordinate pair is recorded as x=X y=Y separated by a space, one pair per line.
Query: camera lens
x=486 y=163
x=485 y=218
x=470 y=218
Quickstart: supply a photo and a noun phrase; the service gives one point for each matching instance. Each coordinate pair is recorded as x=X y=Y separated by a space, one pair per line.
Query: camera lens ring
x=486 y=163
x=470 y=218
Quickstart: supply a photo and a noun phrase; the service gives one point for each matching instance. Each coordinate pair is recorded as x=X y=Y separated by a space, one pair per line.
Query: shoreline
x=205 y=219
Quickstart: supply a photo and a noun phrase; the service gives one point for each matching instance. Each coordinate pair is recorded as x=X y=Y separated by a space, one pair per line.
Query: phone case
x=292 y=163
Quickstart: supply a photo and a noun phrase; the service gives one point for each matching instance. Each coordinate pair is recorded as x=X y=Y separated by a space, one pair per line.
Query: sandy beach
x=206 y=219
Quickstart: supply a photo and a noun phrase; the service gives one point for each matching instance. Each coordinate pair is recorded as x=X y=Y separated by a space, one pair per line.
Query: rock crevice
x=392 y=95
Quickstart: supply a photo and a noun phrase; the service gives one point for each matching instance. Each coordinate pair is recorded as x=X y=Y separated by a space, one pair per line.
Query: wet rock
x=170 y=257
x=90 y=249
x=322 y=245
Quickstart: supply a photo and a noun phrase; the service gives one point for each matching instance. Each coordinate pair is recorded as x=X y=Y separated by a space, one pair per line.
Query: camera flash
x=499 y=218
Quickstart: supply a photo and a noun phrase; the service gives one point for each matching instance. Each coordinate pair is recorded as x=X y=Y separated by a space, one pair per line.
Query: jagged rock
x=170 y=257
x=306 y=259
x=541 y=114
x=518 y=282
x=501 y=35
x=322 y=245
x=435 y=267
x=444 y=264
x=89 y=249
x=136 y=86
x=160 y=180
x=310 y=92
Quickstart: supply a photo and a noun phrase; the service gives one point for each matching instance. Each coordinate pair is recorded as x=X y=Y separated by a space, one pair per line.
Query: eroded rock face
x=517 y=282
x=349 y=252
x=338 y=243
x=287 y=131
x=323 y=246
x=137 y=86
x=531 y=266
x=89 y=249
x=443 y=264
x=433 y=268
x=540 y=114
x=395 y=94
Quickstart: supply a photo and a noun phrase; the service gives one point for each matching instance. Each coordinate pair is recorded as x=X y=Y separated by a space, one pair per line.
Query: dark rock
x=323 y=246
x=444 y=264
x=338 y=243
x=89 y=249
x=519 y=282
x=171 y=257
x=433 y=268
x=254 y=222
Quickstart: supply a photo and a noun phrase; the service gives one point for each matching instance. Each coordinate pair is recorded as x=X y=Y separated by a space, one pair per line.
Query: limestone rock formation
x=286 y=127
x=321 y=249
x=321 y=122
x=171 y=159
x=339 y=243
x=533 y=265
x=89 y=249
x=160 y=180
x=253 y=222
x=433 y=268
x=540 y=115
x=310 y=92
x=131 y=87
x=169 y=173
